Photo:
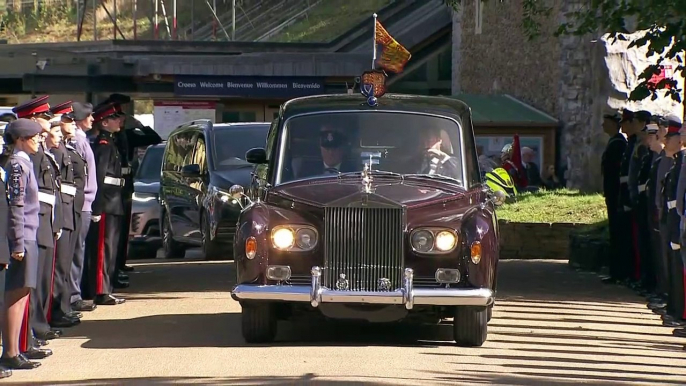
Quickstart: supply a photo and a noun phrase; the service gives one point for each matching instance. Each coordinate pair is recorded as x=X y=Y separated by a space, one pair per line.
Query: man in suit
x=334 y=147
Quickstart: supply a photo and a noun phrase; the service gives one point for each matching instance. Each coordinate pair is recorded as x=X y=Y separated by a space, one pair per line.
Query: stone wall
x=535 y=240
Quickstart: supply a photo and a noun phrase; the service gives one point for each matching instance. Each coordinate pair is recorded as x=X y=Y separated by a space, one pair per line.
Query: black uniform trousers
x=666 y=260
x=659 y=268
x=623 y=267
x=61 y=290
x=676 y=286
x=645 y=268
x=103 y=237
x=613 y=218
x=41 y=295
x=124 y=234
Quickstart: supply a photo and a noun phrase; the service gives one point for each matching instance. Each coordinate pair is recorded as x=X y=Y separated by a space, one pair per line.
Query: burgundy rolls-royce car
x=368 y=209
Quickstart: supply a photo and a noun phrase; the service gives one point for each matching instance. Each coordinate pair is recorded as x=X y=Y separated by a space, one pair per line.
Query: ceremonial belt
x=114 y=181
x=671 y=204
x=624 y=179
x=68 y=189
x=125 y=170
x=46 y=198
x=642 y=188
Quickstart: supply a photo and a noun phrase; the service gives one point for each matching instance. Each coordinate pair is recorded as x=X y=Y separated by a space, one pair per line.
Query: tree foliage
x=662 y=24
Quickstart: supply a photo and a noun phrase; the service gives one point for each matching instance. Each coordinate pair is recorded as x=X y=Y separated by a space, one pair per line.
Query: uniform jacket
x=673 y=220
x=84 y=149
x=663 y=168
x=4 y=214
x=624 y=198
x=24 y=207
x=47 y=174
x=80 y=174
x=67 y=185
x=644 y=173
x=652 y=188
x=130 y=138
x=610 y=164
x=635 y=164
x=108 y=198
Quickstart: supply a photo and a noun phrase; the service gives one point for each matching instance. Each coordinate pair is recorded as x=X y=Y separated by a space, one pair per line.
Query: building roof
x=504 y=110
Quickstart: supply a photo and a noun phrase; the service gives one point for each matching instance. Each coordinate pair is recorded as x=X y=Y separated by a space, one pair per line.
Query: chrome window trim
x=284 y=131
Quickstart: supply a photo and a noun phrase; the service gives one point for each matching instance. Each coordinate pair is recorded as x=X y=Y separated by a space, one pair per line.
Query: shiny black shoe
x=5 y=372
x=49 y=335
x=75 y=315
x=660 y=311
x=610 y=280
x=127 y=268
x=122 y=277
x=82 y=305
x=108 y=300
x=65 y=322
x=40 y=342
x=680 y=332
x=119 y=284
x=37 y=353
x=674 y=323
x=18 y=362
x=654 y=306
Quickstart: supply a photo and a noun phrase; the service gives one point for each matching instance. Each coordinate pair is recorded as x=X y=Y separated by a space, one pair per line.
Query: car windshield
x=231 y=144
x=151 y=164
x=405 y=143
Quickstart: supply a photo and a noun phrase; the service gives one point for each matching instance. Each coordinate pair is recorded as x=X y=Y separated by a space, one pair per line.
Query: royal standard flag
x=393 y=55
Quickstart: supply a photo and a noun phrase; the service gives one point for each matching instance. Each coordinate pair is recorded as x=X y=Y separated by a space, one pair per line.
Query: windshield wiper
x=435 y=177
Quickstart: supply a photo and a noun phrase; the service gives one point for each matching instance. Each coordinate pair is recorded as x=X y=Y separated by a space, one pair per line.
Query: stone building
x=574 y=79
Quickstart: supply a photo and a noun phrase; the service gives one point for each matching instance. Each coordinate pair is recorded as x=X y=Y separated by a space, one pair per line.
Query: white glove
x=675 y=247
x=58 y=234
x=95 y=218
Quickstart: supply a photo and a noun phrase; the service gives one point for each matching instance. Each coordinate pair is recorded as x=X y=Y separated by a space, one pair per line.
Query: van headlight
x=143 y=197
x=296 y=238
x=433 y=240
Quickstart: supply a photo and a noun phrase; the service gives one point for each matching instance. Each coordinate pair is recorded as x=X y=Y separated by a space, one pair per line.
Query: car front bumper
x=408 y=296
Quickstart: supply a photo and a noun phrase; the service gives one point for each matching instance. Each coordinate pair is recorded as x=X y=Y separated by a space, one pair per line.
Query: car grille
x=364 y=244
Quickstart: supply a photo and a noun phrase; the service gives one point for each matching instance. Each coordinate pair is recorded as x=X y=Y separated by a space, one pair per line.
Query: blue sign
x=248 y=86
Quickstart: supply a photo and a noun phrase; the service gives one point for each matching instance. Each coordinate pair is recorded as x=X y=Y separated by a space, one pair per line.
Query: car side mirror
x=499 y=197
x=238 y=193
x=191 y=171
x=256 y=156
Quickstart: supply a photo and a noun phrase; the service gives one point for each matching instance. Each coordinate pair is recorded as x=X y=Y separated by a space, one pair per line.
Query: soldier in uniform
x=83 y=118
x=610 y=165
x=4 y=245
x=629 y=249
x=658 y=298
x=60 y=313
x=22 y=273
x=49 y=228
x=675 y=304
x=107 y=208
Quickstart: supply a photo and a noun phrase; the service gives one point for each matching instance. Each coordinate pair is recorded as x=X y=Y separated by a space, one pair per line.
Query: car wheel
x=258 y=323
x=470 y=326
x=171 y=248
x=211 y=248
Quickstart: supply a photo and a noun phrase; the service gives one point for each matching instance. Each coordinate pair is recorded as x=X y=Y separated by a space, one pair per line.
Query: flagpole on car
x=374 y=44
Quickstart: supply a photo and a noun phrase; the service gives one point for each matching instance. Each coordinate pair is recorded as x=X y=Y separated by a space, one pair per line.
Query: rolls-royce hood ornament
x=367 y=178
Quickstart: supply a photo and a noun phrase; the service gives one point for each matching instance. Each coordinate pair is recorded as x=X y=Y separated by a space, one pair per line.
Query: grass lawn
x=556 y=206
x=330 y=19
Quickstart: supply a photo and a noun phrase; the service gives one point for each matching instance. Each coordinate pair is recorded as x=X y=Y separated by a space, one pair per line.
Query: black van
x=201 y=162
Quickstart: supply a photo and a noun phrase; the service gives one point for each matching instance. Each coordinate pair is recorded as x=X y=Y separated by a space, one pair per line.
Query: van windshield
x=405 y=143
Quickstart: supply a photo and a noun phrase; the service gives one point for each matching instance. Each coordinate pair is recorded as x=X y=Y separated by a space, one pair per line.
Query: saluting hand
x=19 y=256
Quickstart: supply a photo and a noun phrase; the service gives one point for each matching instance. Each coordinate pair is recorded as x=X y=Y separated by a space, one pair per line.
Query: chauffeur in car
x=408 y=231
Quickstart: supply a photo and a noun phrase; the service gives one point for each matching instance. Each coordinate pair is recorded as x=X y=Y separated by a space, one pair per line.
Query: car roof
x=204 y=125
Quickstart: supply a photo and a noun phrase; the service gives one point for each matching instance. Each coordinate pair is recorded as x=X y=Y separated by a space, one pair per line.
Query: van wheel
x=172 y=249
x=258 y=323
x=211 y=248
x=470 y=326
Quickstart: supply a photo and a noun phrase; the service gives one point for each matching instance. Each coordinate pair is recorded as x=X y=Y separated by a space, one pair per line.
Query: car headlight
x=143 y=197
x=294 y=238
x=222 y=195
x=433 y=240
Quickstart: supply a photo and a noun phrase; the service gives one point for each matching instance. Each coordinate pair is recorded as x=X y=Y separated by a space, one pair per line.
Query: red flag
x=517 y=160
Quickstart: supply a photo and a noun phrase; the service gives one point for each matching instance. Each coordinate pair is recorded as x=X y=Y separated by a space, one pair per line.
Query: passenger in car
x=334 y=147
x=434 y=159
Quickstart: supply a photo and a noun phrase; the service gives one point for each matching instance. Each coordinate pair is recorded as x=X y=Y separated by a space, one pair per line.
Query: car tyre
x=172 y=249
x=211 y=248
x=258 y=323
x=470 y=326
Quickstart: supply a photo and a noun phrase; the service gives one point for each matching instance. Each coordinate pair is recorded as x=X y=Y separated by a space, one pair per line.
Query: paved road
x=551 y=326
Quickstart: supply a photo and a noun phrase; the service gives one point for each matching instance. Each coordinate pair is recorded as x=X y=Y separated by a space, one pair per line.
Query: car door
x=260 y=175
x=172 y=185
x=197 y=187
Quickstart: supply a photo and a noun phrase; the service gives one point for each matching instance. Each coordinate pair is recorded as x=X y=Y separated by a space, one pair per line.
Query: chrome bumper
x=407 y=295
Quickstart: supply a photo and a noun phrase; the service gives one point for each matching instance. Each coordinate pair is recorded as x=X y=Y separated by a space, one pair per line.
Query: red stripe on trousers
x=25 y=328
x=52 y=283
x=99 y=285
x=637 y=253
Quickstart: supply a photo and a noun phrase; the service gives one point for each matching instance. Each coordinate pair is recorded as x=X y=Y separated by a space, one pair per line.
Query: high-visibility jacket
x=499 y=179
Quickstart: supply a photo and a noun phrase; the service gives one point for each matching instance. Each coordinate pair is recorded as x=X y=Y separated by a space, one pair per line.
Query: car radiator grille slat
x=364 y=244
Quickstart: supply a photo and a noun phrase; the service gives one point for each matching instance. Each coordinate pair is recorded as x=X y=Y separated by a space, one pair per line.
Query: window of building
x=478 y=16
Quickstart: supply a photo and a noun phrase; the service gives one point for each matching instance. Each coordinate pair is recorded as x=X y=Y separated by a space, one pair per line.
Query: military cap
x=331 y=139
x=651 y=128
x=33 y=107
x=22 y=128
x=627 y=115
x=614 y=116
x=65 y=109
x=82 y=110
x=104 y=112
x=673 y=125
x=643 y=116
